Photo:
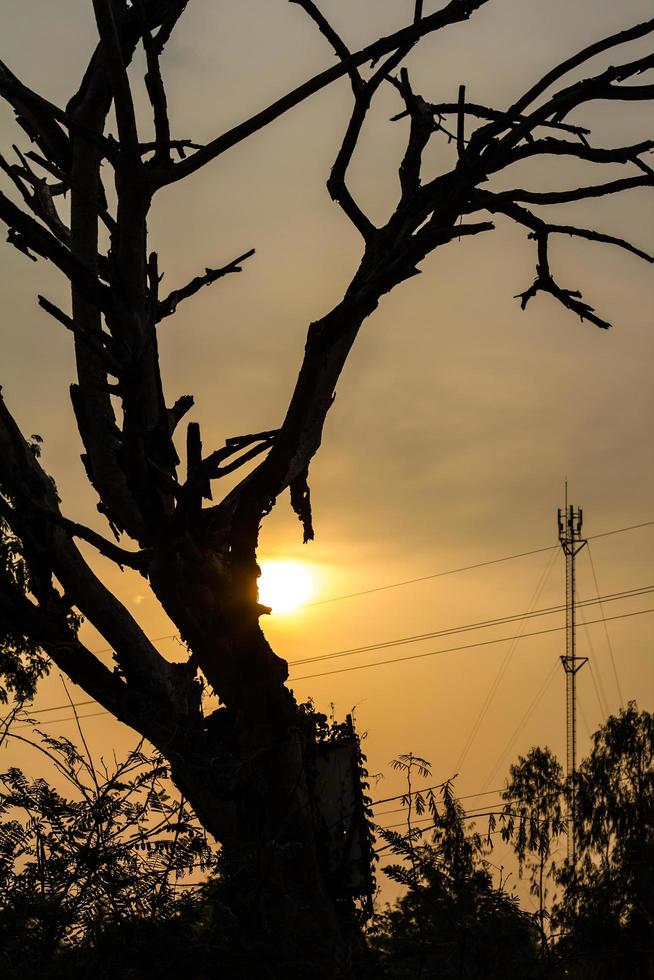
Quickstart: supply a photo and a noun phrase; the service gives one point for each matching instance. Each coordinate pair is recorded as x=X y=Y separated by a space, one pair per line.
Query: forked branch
x=454 y=12
x=541 y=230
x=545 y=282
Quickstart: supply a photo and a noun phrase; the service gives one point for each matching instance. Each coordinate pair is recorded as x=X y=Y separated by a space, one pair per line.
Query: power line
x=426 y=578
x=57 y=721
x=523 y=721
x=599 y=684
x=603 y=708
x=58 y=707
x=469 y=796
x=431 y=653
x=414 y=792
x=606 y=632
x=583 y=715
x=464 y=568
x=619 y=530
x=423 y=578
x=467 y=646
x=423 y=830
x=467 y=627
x=460 y=819
x=155 y=639
x=504 y=666
x=494 y=561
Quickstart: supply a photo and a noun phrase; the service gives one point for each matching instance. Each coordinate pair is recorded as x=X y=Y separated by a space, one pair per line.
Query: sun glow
x=284 y=585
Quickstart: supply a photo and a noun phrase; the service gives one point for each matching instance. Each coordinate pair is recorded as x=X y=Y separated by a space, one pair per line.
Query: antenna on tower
x=570 y=522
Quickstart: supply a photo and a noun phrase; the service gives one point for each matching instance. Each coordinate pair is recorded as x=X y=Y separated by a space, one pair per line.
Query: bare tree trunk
x=245 y=768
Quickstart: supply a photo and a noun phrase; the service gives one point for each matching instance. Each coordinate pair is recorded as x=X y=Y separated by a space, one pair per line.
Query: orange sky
x=458 y=416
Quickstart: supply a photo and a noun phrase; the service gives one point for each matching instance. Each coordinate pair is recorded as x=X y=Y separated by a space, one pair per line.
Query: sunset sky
x=458 y=416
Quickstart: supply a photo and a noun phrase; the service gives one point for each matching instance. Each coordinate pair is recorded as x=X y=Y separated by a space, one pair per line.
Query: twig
x=461 y=122
x=168 y=305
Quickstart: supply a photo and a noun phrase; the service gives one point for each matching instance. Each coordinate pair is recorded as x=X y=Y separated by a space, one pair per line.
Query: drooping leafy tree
x=534 y=821
x=92 y=875
x=606 y=911
x=453 y=921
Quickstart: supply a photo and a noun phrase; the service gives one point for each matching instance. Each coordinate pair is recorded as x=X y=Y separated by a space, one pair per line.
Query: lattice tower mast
x=570 y=525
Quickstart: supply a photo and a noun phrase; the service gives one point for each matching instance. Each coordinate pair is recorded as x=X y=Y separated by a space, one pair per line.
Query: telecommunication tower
x=570 y=525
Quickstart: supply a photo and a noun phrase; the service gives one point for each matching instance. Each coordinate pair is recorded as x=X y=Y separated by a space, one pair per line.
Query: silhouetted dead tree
x=242 y=768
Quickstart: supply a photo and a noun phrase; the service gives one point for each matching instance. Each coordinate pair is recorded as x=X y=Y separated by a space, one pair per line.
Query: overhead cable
x=606 y=631
x=466 y=568
x=467 y=646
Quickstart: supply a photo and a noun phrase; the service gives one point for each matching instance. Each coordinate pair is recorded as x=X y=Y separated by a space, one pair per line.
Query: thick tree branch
x=50 y=630
x=417 y=227
x=49 y=544
x=94 y=412
x=87 y=111
x=133 y=469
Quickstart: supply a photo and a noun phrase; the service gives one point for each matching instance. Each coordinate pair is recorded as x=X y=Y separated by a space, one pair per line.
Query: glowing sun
x=284 y=585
